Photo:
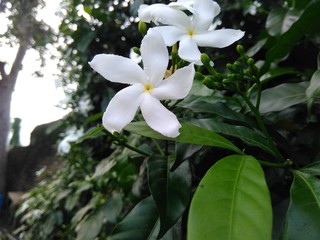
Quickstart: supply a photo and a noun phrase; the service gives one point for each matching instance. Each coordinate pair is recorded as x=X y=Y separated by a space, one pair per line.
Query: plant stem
x=261 y=124
x=279 y=165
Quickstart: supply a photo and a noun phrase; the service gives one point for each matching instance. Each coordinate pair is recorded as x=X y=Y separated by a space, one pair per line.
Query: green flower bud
x=136 y=50
x=205 y=59
x=240 y=50
x=142 y=28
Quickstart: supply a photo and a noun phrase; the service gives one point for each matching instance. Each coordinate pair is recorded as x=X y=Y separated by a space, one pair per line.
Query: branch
x=3 y=73
x=17 y=64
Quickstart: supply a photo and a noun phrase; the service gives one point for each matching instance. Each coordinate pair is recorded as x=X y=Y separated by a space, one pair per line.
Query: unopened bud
x=136 y=50
x=142 y=28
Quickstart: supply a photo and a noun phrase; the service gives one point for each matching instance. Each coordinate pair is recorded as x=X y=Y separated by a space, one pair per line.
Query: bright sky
x=34 y=99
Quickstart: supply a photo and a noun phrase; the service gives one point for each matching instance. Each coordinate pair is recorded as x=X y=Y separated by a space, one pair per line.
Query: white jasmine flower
x=191 y=32
x=147 y=87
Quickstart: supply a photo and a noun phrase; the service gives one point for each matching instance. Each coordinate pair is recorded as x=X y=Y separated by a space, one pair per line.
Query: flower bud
x=136 y=50
x=142 y=28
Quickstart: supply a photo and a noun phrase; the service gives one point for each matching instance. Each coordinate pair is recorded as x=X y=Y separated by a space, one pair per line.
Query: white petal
x=122 y=108
x=170 y=34
x=158 y=117
x=161 y=13
x=183 y=5
x=205 y=12
x=218 y=38
x=155 y=56
x=188 y=50
x=118 y=69
x=177 y=86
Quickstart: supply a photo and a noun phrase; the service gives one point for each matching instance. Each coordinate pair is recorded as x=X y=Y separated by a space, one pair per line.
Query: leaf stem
x=278 y=165
x=261 y=125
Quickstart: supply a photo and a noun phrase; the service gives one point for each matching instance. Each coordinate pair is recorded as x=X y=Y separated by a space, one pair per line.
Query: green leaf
x=304 y=25
x=188 y=134
x=313 y=89
x=158 y=183
x=303 y=217
x=282 y=96
x=204 y=104
x=280 y=20
x=93 y=132
x=90 y=226
x=245 y=134
x=170 y=191
x=85 y=41
x=312 y=169
x=183 y=152
x=179 y=191
x=139 y=224
x=276 y=72
x=231 y=202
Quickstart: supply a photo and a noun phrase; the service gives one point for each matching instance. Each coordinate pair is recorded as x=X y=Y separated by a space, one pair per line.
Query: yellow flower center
x=191 y=32
x=147 y=87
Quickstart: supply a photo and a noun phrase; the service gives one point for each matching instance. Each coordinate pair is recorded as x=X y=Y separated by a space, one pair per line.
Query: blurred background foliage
x=101 y=181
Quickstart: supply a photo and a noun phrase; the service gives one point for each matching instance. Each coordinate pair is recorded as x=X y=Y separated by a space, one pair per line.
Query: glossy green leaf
x=282 y=96
x=94 y=132
x=312 y=169
x=170 y=191
x=179 y=191
x=276 y=72
x=305 y=24
x=245 y=134
x=188 y=134
x=303 y=217
x=90 y=226
x=139 y=224
x=184 y=151
x=313 y=89
x=85 y=41
x=231 y=202
x=205 y=105
x=280 y=20
x=158 y=183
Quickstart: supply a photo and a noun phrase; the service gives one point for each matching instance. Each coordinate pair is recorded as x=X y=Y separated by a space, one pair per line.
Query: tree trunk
x=7 y=84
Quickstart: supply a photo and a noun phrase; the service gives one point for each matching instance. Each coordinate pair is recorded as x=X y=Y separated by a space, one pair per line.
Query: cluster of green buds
x=241 y=74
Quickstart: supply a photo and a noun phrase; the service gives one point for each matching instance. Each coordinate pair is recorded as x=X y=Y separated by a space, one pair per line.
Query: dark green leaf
x=94 y=132
x=303 y=217
x=158 y=183
x=313 y=89
x=188 y=134
x=280 y=20
x=312 y=169
x=179 y=191
x=282 y=96
x=183 y=152
x=305 y=24
x=231 y=202
x=139 y=224
x=90 y=226
x=247 y=135
x=205 y=105
x=257 y=47
x=85 y=41
x=276 y=72
x=170 y=191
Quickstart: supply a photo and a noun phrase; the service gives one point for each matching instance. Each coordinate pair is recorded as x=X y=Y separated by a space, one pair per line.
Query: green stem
x=261 y=124
x=278 y=165
x=122 y=143
x=259 y=94
x=158 y=146
x=135 y=149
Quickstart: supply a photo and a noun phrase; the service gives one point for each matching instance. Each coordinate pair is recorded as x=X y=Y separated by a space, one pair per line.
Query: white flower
x=72 y=135
x=191 y=32
x=147 y=87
